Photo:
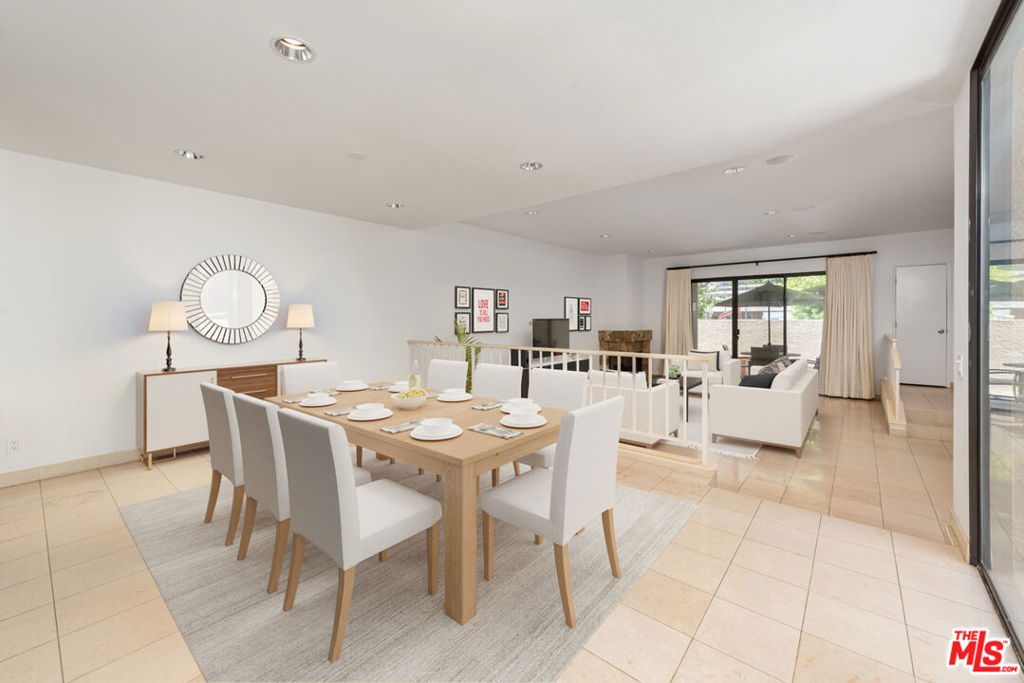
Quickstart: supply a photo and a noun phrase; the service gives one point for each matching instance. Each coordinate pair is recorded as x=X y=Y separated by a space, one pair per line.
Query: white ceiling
x=447 y=97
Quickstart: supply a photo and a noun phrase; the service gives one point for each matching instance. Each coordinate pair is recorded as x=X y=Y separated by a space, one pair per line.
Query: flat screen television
x=551 y=333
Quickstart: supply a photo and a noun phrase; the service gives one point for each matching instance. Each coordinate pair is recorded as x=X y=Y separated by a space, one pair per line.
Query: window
x=760 y=317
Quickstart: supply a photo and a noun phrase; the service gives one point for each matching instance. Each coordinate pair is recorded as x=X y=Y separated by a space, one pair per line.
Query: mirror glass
x=233 y=299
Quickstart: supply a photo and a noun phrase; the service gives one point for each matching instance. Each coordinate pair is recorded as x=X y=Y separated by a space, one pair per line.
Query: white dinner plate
x=458 y=398
x=370 y=417
x=526 y=422
x=317 y=402
x=355 y=387
x=450 y=434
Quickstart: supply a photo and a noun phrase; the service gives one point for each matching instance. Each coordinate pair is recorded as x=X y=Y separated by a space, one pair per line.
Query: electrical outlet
x=13 y=446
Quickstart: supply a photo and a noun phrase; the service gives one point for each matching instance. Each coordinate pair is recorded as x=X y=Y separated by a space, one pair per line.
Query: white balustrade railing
x=646 y=380
x=891 y=384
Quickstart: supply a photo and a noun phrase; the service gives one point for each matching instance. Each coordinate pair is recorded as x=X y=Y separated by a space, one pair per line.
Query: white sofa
x=779 y=416
x=657 y=409
x=728 y=370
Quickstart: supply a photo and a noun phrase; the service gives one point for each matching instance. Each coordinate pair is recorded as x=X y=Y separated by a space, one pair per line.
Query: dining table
x=459 y=461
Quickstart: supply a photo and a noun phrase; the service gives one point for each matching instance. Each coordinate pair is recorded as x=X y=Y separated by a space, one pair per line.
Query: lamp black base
x=301 y=356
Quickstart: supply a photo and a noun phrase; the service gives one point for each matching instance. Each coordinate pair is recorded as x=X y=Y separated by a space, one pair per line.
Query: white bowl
x=436 y=425
x=522 y=410
x=370 y=407
x=519 y=402
x=409 y=403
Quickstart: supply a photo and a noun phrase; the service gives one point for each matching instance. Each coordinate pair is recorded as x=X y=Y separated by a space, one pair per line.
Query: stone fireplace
x=628 y=341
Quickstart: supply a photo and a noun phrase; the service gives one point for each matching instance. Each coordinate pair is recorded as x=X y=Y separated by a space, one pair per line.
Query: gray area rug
x=396 y=631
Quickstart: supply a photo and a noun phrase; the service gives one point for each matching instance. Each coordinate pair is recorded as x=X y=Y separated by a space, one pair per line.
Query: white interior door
x=921 y=330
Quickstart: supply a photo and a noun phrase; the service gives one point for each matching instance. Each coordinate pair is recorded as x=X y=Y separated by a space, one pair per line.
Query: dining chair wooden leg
x=536 y=539
x=236 y=512
x=437 y=478
x=433 y=553
x=214 y=492
x=280 y=545
x=250 y=520
x=495 y=478
x=359 y=456
x=346 y=578
x=420 y=470
x=298 y=551
x=488 y=524
x=609 y=541
x=515 y=467
x=391 y=461
x=382 y=555
x=565 y=583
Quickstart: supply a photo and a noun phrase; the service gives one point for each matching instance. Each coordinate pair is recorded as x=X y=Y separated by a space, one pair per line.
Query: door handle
x=942 y=332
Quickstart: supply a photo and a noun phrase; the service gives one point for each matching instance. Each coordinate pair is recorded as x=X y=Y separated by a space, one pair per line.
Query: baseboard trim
x=59 y=469
x=959 y=538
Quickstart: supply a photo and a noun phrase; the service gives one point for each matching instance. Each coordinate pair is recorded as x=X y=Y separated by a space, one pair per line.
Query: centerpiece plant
x=472 y=351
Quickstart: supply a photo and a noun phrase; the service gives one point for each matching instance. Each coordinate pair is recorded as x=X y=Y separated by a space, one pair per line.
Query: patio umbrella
x=770 y=294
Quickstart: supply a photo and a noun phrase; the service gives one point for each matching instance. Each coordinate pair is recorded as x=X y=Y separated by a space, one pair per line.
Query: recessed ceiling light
x=733 y=170
x=395 y=205
x=790 y=236
x=532 y=212
x=650 y=251
x=605 y=236
x=293 y=49
x=781 y=159
x=531 y=165
x=358 y=156
x=189 y=154
x=770 y=212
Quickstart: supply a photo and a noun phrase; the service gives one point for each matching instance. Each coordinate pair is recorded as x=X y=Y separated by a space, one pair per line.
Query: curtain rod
x=771 y=260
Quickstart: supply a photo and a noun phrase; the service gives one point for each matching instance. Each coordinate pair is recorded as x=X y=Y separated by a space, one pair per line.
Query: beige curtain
x=677 y=327
x=847 y=350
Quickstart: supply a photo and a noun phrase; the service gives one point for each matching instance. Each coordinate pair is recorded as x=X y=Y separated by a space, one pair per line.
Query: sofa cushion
x=711 y=355
x=760 y=381
x=776 y=366
x=790 y=377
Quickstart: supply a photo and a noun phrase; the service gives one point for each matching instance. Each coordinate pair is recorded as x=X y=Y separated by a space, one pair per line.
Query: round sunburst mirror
x=230 y=299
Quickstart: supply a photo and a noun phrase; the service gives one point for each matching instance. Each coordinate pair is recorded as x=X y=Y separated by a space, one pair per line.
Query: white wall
x=84 y=252
x=913 y=248
x=961 y=229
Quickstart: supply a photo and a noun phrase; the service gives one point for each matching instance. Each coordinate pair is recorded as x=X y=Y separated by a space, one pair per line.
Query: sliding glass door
x=760 y=318
x=999 y=310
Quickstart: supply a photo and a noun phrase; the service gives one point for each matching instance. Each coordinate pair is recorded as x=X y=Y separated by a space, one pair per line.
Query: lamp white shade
x=167 y=316
x=301 y=316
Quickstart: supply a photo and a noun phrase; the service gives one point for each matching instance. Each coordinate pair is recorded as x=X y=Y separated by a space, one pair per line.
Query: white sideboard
x=170 y=413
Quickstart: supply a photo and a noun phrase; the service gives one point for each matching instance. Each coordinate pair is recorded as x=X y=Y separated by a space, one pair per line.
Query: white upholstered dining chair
x=560 y=389
x=225 y=452
x=348 y=523
x=443 y=374
x=556 y=503
x=267 y=480
x=297 y=378
x=498 y=381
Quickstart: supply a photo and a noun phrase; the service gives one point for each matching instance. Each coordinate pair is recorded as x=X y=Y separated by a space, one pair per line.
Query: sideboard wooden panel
x=171 y=412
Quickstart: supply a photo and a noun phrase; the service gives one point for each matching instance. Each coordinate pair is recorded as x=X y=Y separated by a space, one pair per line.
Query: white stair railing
x=895 y=413
x=653 y=412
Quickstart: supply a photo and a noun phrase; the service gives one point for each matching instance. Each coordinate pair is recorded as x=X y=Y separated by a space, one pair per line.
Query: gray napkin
x=488 y=406
x=336 y=413
x=404 y=427
x=501 y=432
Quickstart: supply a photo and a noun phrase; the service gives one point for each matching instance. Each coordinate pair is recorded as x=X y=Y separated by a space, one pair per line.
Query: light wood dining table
x=460 y=461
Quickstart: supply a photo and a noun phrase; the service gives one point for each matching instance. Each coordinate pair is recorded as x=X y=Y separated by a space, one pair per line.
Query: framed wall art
x=462 y=319
x=462 y=297
x=588 y=324
x=502 y=301
x=571 y=307
x=584 y=306
x=501 y=322
x=483 y=310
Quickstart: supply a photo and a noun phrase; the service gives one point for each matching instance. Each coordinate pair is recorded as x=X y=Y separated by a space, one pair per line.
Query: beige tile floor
x=851 y=467
x=749 y=588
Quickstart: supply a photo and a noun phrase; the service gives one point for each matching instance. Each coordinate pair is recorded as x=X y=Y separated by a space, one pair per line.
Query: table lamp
x=165 y=317
x=300 y=316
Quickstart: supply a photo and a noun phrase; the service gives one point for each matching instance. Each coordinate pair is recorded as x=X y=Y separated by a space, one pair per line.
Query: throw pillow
x=776 y=366
x=761 y=381
x=713 y=355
